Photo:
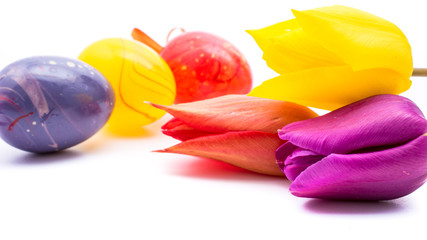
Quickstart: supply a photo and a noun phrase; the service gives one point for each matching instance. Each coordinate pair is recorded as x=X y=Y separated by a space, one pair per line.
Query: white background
x=113 y=187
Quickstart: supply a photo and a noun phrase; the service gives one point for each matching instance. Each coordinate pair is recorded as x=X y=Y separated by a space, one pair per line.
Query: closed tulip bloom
x=332 y=56
x=236 y=129
x=373 y=149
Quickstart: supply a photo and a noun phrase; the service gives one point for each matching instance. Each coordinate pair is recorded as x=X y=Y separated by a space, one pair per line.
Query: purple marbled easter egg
x=51 y=103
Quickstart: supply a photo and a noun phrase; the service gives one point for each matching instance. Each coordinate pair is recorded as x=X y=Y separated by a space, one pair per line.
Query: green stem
x=419 y=72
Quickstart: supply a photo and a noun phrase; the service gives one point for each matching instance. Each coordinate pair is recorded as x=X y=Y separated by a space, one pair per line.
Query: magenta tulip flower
x=373 y=149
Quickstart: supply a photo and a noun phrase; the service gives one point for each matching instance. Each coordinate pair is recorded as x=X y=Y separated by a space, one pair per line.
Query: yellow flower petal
x=275 y=30
x=288 y=49
x=362 y=40
x=331 y=87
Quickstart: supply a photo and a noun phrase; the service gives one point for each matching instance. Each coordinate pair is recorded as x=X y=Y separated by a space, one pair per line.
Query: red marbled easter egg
x=206 y=66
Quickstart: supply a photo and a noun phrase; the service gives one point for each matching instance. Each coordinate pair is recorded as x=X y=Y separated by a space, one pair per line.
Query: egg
x=139 y=76
x=50 y=103
x=204 y=65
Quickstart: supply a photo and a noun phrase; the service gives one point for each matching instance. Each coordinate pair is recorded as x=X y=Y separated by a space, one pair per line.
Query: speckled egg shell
x=138 y=75
x=206 y=66
x=51 y=103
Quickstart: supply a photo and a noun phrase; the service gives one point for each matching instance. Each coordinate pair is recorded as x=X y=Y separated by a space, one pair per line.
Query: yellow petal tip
x=297 y=12
x=250 y=32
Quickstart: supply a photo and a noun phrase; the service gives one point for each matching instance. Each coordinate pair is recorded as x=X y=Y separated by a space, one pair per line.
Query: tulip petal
x=250 y=150
x=287 y=48
x=292 y=160
x=298 y=161
x=381 y=175
x=179 y=130
x=362 y=40
x=283 y=152
x=331 y=87
x=238 y=113
x=376 y=121
x=262 y=36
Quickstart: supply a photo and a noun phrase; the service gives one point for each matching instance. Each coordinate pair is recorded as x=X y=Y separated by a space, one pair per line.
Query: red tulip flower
x=236 y=129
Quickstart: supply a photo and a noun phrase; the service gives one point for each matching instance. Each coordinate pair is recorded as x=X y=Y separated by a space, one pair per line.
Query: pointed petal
x=263 y=35
x=253 y=151
x=381 y=120
x=238 y=113
x=179 y=130
x=331 y=87
x=287 y=48
x=362 y=40
x=381 y=175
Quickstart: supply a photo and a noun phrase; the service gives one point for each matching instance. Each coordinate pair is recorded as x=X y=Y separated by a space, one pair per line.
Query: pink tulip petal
x=179 y=130
x=250 y=150
x=380 y=175
x=238 y=113
x=376 y=121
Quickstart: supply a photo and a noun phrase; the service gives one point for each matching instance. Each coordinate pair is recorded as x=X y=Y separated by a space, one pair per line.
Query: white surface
x=116 y=188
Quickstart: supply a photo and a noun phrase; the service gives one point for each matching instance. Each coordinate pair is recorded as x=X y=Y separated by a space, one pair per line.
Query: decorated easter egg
x=204 y=65
x=139 y=76
x=51 y=103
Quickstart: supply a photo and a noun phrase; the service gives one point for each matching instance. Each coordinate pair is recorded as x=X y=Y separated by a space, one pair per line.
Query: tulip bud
x=373 y=149
x=332 y=56
x=236 y=129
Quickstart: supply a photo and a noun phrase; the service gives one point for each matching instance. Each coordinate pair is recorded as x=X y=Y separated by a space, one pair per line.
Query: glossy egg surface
x=206 y=66
x=138 y=75
x=50 y=103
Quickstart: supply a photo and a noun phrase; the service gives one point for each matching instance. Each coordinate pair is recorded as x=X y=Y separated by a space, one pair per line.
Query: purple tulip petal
x=375 y=121
x=292 y=160
x=380 y=175
x=298 y=161
x=283 y=152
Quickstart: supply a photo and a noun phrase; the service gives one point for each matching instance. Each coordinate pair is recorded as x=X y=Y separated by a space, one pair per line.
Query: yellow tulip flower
x=331 y=56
